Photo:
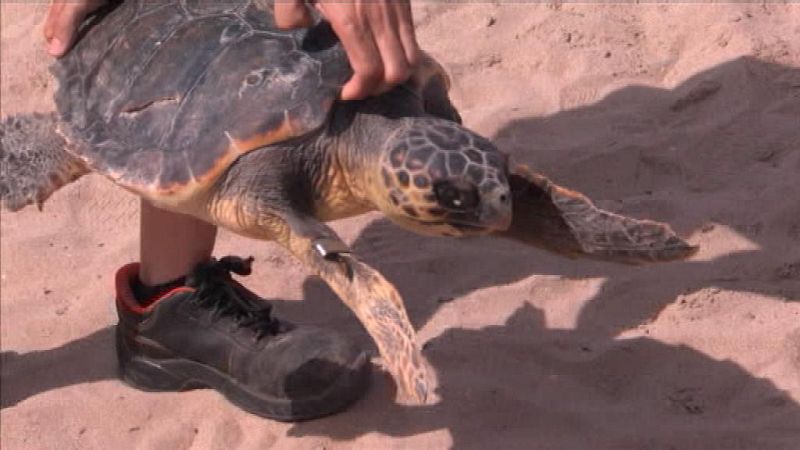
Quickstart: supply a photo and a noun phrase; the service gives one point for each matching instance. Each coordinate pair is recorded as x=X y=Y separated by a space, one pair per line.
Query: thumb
x=292 y=14
x=63 y=20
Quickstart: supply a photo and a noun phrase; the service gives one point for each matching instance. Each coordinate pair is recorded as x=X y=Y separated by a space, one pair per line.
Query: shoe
x=215 y=333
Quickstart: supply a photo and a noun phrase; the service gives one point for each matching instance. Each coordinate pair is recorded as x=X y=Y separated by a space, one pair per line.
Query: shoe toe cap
x=309 y=362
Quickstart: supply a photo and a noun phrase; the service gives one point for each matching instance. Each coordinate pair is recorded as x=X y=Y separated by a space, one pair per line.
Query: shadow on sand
x=502 y=385
x=505 y=385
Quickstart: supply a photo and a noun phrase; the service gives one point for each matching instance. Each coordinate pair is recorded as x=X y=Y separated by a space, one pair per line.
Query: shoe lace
x=216 y=290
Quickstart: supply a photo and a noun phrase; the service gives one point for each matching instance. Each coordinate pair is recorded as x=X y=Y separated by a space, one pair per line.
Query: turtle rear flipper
x=33 y=160
x=566 y=222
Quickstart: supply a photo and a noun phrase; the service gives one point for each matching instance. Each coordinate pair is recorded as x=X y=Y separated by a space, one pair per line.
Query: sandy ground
x=688 y=113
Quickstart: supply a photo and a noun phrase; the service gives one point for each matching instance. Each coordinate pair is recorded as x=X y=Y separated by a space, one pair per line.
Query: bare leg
x=172 y=244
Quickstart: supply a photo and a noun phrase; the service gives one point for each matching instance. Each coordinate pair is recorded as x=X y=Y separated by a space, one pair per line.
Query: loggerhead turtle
x=205 y=108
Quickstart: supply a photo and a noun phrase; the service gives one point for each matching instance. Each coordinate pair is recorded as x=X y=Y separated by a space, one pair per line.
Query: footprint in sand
x=581 y=93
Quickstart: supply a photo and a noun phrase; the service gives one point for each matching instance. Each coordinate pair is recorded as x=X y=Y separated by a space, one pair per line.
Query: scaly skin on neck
x=330 y=175
x=358 y=151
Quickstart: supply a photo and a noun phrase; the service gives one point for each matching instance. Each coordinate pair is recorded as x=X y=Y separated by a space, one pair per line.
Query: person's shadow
x=85 y=360
x=636 y=151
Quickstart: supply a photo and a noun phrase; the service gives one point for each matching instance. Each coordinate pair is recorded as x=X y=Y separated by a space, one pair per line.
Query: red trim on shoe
x=126 y=276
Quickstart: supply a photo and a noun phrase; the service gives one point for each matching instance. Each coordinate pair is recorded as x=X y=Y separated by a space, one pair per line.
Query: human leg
x=171 y=244
x=186 y=323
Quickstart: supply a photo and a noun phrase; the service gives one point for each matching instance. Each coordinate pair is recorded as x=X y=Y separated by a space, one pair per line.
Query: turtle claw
x=421 y=389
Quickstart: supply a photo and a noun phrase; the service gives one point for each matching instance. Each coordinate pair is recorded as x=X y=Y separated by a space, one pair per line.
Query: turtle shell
x=163 y=96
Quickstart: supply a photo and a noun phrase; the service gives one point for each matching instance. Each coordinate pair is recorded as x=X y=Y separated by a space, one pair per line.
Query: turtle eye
x=253 y=79
x=455 y=196
x=257 y=77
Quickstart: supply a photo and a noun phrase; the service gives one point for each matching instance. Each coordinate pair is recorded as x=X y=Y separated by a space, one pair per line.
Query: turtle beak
x=496 y=213
x=496 y=220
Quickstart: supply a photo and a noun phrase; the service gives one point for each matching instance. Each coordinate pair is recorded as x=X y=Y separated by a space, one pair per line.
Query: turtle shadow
x=636 y=151
x=522 y=385
x=657 y=167
x=84 y=360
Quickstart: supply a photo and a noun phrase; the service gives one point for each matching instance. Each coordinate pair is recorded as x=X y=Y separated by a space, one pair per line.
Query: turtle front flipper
x=566 y=222
x=373 y=299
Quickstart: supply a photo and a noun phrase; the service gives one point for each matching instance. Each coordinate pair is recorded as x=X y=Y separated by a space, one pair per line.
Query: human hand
x=377 y=35
x=62 y=22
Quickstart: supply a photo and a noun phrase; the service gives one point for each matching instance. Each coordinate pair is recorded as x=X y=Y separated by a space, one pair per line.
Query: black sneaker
x=215 y=333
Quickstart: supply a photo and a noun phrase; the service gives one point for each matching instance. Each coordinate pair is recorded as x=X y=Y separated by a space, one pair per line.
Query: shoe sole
x=175 y=375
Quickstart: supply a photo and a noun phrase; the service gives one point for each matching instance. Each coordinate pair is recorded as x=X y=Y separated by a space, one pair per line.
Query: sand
x=687 y=113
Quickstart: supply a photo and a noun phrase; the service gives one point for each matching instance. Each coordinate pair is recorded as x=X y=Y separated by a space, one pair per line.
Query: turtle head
x=438 y=178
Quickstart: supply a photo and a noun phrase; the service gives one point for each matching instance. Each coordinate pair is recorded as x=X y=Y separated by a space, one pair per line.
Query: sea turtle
x=205 y=108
